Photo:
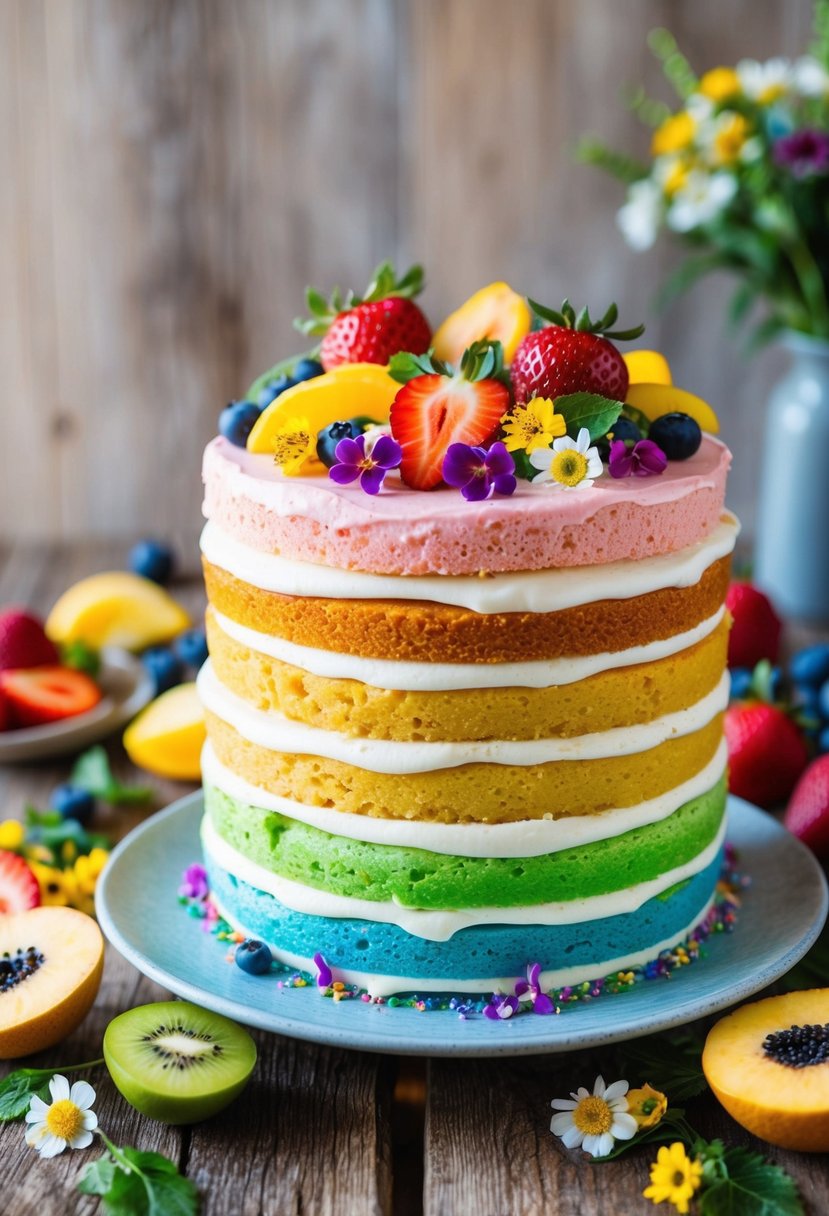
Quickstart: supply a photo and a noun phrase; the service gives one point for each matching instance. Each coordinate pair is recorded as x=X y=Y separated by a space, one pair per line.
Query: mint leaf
x=97 y=1177
x=168 y=1192
x=132 y=1183
x=752 y=1187
x=92 y=772
x=588 y=410
x=17 y=1088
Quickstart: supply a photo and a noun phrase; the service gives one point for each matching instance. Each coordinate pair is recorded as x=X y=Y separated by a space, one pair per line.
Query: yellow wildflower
x=57 y=887
x=531 y=426
x=732 y=132
x=675 y=134
x=674 y=175
x=12 y=835
x=88 y=869
x=675 y=1177
x=719 y=84
x=647 y=1105
x=295 y=444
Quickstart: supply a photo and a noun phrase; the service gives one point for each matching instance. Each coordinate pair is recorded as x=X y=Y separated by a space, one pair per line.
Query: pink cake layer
x=403 y=531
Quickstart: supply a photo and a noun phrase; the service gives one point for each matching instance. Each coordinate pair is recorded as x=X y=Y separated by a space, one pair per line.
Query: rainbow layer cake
x=468 y=642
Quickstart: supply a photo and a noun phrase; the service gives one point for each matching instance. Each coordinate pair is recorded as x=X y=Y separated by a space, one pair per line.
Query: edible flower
x=479 y=473
x=805 y=153
x=194 y=882
x=647 y=1105
x=594 y=1121
x=644 y=459
x=325 y=976
x=530 y=990
x=295 y=443
x=533 y=425
x=571 y=464
x=675 y=1177
x=68 y=1122
x=355 y=460
x=501 y=1007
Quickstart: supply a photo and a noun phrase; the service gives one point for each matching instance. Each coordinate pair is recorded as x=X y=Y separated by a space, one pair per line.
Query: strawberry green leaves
x=483 y=360
x=384 y=285
x=568 y=318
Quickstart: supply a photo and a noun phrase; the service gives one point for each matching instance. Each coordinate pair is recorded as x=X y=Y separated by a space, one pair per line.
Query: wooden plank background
x=174 y=172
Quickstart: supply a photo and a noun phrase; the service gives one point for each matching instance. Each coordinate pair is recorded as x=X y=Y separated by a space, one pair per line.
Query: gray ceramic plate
x=782 y=914
x=127 y=687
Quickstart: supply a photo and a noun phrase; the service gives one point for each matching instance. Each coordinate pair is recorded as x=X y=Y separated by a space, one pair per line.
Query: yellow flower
x=294 y=444
x=531 y=426
x=674 y=134
x=88 y=869
x=57 y=887
x=675 y=175
x=647 y=1105
x=674 y=1177
x=12 y=835
x=732 y=132
x=719 y=84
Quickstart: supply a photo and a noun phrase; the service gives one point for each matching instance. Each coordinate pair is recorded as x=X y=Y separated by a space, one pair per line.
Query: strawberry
x=4 y=713
x=438 y=405
x=571 y=355
x=807 y=815
x=36 y=695
x=19 y=888
x=755 y=632
x=373 y=327
x=23 y=641
x=766 y=752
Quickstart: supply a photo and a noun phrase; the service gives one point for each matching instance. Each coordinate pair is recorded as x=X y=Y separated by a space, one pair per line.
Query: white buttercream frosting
x=442 y=677
x=440 y=926
x=274 y=731
x=530 y=591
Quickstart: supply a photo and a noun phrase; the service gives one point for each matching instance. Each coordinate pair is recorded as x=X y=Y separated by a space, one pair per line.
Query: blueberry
x=191 y=647
x=331 y=436
x=253 y=956
x=678 y=435
x=623 y=428
x=237 y=420
x=740 y=683
x=152 y=559
x=163 y=666
x=306 y=369
x=811 y=666
x=823 y=740
x=274 y=388
x=807 y=701
x=72 y=802
x=775 y=683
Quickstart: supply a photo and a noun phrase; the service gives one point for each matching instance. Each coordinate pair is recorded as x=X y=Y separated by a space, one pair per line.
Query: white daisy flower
x=765 y=82
x=68 y=1121
x=727 y=138
x=638 y=219
x=700 y=199
x=594 y=1121
x=809 y=77
x=570 y=464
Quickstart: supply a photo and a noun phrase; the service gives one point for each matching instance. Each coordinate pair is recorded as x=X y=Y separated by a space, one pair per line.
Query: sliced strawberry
x=807 y=815
x=23 y=641
x=19 y=888
x=432 y=411
x=46 y=694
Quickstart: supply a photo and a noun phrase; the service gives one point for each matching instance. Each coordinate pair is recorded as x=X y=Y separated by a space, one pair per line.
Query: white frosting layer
x=533 y=591
x=441 y=677
x=274 y=731
x=388 y=985
x=440 y=926
x=527 y=838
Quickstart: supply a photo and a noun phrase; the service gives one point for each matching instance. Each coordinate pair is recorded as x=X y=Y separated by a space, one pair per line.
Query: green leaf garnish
x=132 y=1183
x=743 y=1184
x=384 y=285
x=92 y=772
x=589 y=410
x=80 y=656
x=17 y=1089
x=672 y=1063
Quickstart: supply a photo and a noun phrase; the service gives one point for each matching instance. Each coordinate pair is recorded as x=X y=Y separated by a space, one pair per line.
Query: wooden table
x=319 y=1130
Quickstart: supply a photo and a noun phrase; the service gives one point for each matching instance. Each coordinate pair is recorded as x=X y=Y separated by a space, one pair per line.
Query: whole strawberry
x=23 y=641
x=573 y=354
x=807 y=815
x=766 y=752
x=372 y=327
x=756 y=627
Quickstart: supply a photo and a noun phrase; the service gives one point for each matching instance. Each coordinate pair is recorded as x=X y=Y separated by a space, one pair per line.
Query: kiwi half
x=178 y=1063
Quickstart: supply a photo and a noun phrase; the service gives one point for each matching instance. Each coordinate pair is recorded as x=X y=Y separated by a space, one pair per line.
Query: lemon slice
x=116 y=609
x=167 y=737
x=647 y=367
x=654 y=400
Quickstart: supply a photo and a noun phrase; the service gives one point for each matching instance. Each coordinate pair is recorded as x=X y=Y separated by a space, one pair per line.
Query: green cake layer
x=416 y=878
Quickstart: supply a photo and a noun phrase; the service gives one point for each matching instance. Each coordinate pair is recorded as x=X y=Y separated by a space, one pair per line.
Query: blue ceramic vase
x=792 y=550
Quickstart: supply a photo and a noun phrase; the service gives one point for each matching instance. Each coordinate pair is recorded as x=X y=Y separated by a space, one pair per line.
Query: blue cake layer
x=472 y=953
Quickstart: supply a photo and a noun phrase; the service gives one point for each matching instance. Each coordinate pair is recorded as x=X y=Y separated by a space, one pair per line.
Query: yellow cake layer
x=439 y=633
x=471 y=793
x=625 y=696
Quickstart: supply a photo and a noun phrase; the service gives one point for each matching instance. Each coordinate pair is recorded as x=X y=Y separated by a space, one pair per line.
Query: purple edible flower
x=501 y=1007
x=644 y=459
x=325 y=976
x=370 y=466
x=530 y=990
x=479 y=473
x=805 y=152
x=194 y=882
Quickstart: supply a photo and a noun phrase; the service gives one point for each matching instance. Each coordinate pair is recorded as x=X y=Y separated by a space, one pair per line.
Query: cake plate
x=782 y=913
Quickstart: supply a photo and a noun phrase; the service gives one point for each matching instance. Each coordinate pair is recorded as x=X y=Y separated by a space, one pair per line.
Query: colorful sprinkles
x=194 y=896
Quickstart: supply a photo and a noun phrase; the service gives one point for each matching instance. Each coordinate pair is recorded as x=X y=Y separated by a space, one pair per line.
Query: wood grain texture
x=176 y=173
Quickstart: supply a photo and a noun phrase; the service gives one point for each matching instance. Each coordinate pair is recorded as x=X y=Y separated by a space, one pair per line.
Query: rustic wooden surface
x=321 y=1131
x=175 y=173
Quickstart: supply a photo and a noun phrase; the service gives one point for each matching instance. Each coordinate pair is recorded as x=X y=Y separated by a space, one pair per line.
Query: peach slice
x=167 y=737
x=654 y=400
x=495 y=312
x=647 y=367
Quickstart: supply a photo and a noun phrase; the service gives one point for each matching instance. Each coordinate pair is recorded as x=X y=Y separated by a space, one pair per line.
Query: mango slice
x=167 y=737
x=116 y=608
x=647 y=367
x=654 y=400
x=495 y=312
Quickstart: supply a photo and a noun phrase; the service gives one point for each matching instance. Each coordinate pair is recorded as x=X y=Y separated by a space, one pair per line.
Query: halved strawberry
x=19 y=888
x=35 y=695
